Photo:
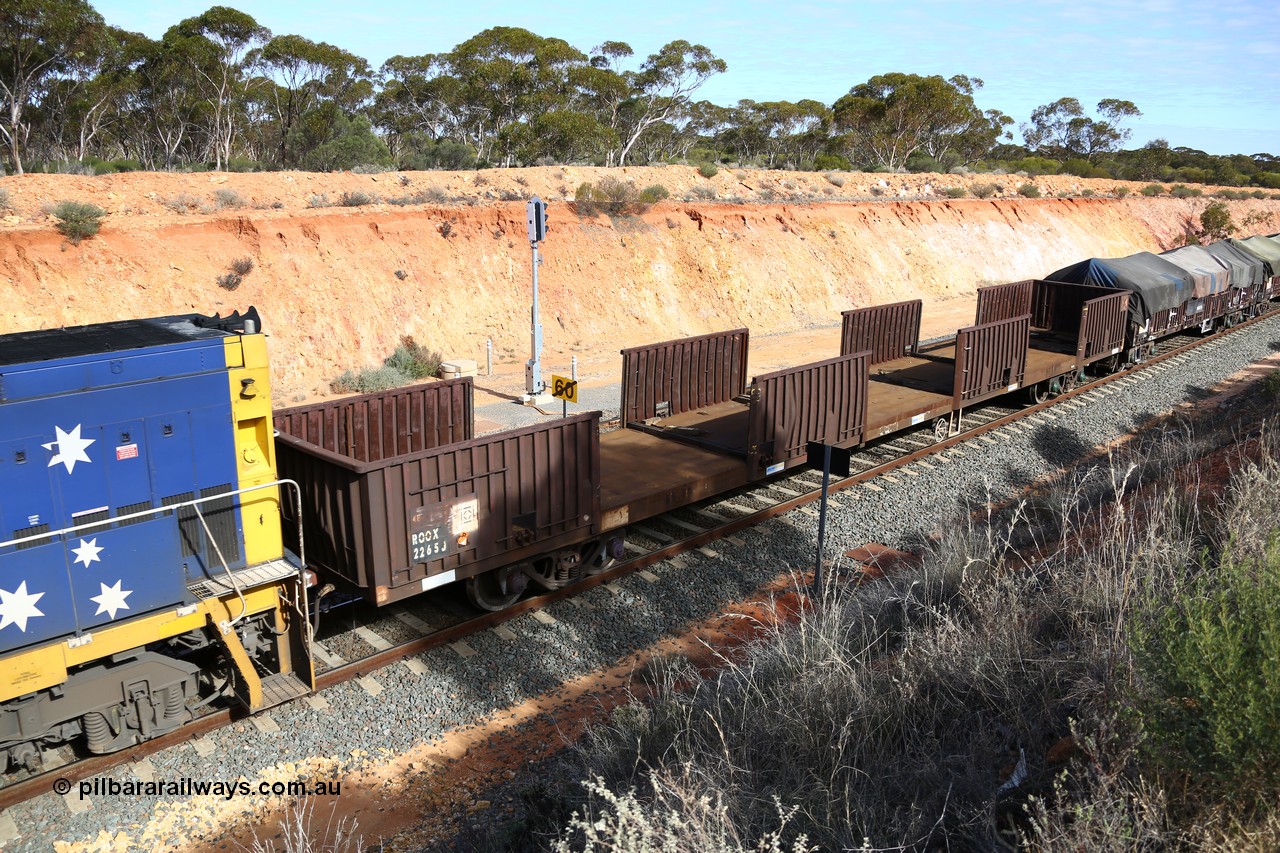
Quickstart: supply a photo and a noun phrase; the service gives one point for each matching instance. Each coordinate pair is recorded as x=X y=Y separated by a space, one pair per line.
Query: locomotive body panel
x=90 y=443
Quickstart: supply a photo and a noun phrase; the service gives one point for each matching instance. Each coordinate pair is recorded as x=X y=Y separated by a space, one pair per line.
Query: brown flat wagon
x=398 y=497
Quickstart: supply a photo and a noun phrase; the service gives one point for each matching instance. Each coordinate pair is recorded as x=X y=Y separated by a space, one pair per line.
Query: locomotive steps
x=338 y=287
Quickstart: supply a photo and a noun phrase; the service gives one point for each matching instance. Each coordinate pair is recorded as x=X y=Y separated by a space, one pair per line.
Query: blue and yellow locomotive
x=142 y=571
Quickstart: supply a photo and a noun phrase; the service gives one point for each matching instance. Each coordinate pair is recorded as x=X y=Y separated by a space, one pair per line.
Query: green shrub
x=1029 y=191
x=78 y=220
x=834 y=179
x=1184 y=191
x=1121 y=192
x=610 y=196
x=831 y=161
x=703 y=193
x=1085 y=169
x=921 y=163
x=956 y=192
x=1211 y=652
x=353 y=143
x=1216 y=220
x=654 y=192
x=984 y=190
x=414 y=360
x=184 y=203
x=319 y=200
x=420 y=153
x=1258 y=194
x=127 y=164
x=1271 y=386
x=708 y=170
x=242 y=266
x=1088 y=193
x=1035 y=166
x=225 y=198
x=357 y=198
x=5 y=203
x=244 y=164
x=369 y=381
x=1151 y=190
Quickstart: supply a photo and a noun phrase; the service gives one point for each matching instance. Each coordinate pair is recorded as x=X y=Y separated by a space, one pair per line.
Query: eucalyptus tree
x=599 y=89
x=509 y=75
x=299 y=74
x=215 y=46
x=38 y=41
x=787 y=134
x=1062 y=129
x=743 y=131
x=419 y=96
x=704 y=124
x=892 y=116
x=86 y=106
x=661 y=89
x=168 y=103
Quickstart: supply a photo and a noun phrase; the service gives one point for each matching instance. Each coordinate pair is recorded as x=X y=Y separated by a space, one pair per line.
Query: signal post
x=535 y=388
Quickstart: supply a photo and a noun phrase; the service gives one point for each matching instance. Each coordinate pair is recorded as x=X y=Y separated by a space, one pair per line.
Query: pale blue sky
x=1205 y=75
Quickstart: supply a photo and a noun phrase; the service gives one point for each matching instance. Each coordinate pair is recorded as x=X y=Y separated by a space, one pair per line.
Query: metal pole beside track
x=822 y=518
x=535 y=386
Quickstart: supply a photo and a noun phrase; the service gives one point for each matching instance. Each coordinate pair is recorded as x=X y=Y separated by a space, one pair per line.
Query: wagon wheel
x=1110 y=364
x=601 y=555
x=1038 y=392
x=497 y=589
x=941 y=429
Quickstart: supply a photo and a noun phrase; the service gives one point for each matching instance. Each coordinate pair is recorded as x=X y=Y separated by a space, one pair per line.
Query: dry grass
x=983 y=702
x=302 y=831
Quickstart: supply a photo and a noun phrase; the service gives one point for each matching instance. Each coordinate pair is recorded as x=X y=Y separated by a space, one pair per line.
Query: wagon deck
x=644 y=475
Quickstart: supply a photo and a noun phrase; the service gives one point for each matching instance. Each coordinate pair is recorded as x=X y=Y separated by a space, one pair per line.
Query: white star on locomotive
x=70 y=448
x=88 y=552
x=111 y=599
x=18 y=606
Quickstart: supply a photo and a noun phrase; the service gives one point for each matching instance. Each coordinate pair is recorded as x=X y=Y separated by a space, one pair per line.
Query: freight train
x=164 y=527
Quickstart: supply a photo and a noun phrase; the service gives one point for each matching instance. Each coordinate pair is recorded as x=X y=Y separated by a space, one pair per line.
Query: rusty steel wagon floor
x=931 y=370
x=643 y=475
x=719 y=426
x=894 y=407
x=1045 y=364
x=934 y=370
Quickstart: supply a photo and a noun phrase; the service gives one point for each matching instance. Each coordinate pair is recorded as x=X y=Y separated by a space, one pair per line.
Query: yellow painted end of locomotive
x=250 y=386
x=47 y=666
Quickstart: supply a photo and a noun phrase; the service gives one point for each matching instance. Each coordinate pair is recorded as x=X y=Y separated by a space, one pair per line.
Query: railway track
x=377 y=638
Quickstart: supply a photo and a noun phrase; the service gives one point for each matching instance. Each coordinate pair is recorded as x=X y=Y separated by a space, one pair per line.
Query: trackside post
x=827 y=459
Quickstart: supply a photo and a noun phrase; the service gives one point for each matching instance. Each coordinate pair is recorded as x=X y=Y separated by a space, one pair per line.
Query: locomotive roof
x=117 y=336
